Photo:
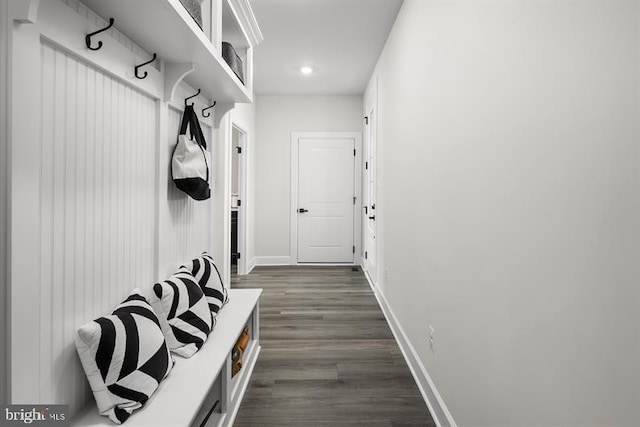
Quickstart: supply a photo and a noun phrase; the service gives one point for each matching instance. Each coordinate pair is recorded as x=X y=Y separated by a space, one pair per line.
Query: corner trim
x=25 y=12
x=430 y=394
x=247 y=21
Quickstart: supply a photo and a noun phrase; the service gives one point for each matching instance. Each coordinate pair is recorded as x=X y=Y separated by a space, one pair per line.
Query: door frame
x=242 y=196
x=357 y=186
x=371 y=104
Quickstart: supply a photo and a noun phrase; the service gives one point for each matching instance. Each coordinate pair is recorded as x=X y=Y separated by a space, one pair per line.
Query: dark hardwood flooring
x=328 y=356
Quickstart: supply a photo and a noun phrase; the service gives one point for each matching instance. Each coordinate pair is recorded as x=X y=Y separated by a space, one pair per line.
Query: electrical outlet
x=432 y=333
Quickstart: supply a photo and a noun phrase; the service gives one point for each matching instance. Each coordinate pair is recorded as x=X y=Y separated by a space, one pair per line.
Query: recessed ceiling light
x=306 y=70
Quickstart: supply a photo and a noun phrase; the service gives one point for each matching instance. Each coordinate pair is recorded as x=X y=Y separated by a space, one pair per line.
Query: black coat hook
x=87 y=39
x=192 y=96
x=137 y=67
x=205 y=109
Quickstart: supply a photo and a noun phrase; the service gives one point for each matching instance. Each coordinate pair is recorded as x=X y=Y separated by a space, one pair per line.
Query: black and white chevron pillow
x=124 y=356
x=184 y=315
x=206 y=273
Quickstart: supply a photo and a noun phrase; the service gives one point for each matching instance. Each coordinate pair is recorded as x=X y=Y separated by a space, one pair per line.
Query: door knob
x=303 y=210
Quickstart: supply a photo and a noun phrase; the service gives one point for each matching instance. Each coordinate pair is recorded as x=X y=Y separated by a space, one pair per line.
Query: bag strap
x=195 y=125
x=190 y=119
x=200 y=139
x=186 y=119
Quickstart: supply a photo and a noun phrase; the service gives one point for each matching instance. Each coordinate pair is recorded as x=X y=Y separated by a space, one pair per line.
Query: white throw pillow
x=124 y=356
x=208 y=277
x=183 y=312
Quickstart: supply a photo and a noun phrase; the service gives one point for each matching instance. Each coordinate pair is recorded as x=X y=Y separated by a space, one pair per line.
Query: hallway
x=328 y=356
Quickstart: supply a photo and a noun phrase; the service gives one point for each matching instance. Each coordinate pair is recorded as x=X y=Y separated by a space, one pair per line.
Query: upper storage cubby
x=236 y=46
x=189 y=51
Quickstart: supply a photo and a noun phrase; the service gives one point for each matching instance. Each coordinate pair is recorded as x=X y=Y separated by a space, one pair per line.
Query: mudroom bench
x=200 y=391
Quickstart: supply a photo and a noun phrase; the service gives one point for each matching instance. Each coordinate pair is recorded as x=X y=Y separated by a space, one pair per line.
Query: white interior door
x=369 y=203
x=326 y=199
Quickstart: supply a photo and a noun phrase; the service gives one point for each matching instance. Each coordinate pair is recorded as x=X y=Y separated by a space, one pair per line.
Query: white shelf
x=166 y=28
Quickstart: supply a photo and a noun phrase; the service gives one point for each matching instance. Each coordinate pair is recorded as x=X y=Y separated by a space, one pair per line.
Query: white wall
x=513 y=129
x=244 y=116
x=276 y=118
x=186 y=223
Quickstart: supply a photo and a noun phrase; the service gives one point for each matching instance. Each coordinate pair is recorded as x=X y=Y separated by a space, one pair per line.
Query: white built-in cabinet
x=191 y=53
x=87 y=205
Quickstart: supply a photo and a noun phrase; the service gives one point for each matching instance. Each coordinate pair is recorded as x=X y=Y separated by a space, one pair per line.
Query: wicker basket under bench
x=196 y=385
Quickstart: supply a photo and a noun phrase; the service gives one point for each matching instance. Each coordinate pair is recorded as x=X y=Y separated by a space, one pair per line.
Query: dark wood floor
x=328 y=357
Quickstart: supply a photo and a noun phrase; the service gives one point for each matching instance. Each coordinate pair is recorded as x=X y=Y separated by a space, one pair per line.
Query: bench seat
x=178 y=402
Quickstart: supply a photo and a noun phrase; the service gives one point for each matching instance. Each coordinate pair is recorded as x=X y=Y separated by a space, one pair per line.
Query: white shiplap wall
x=98 y=145
x=190 y=233
x=4 y=320
x=95 y=213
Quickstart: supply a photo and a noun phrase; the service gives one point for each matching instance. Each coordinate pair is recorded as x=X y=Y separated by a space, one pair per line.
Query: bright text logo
x=39 y=415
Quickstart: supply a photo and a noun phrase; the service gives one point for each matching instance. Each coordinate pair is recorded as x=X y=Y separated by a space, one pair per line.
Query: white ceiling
x=340 y=39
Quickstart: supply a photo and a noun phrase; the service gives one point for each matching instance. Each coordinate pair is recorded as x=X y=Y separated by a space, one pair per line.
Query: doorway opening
x=238 y=205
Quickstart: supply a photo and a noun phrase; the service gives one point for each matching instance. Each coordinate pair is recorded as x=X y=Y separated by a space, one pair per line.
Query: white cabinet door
x=325 y=199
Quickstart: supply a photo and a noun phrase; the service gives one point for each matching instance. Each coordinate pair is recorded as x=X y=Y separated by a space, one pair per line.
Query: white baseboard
x=272 y=260
x=327 y=264
x=437 y=408
x=371 y=285
x=251 y=265
x=267 y=261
